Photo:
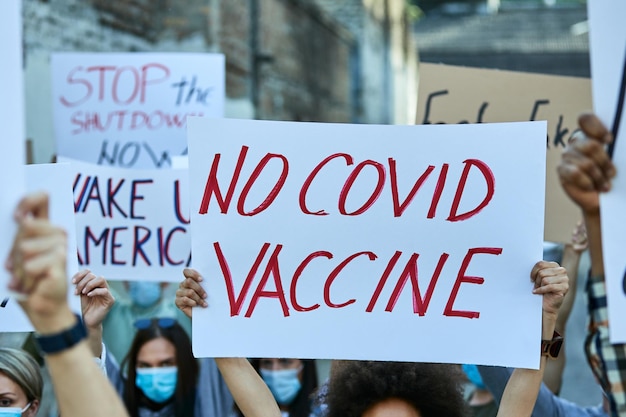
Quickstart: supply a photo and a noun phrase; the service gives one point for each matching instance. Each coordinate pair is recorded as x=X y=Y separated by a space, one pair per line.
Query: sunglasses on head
x=163 y=323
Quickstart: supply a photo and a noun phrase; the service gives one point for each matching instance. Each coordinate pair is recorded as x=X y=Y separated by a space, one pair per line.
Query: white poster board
x=56 y=180
x=132 y=224
x=607 y=34
x=129 y=109
x=343 y=241
x=12 y=121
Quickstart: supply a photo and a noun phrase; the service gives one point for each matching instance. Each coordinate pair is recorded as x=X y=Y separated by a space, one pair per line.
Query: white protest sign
x=368 y=242
x=56 y=180
x=607 y=34
x=128 y=110
x=12 y=121
x=132 y=224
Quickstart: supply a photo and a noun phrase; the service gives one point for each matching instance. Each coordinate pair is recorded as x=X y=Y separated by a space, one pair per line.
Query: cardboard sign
x=56 y=180
x=132 y=224
x=449 y=94
x=367 y=242
x=12 y=120
x=607 y=35
x=129 y=110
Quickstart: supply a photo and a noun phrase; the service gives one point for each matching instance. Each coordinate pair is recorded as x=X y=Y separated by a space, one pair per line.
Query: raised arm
x=37 y=265
x=251 y=394
x=96 y=301
x=521 y=391
x=585 y=171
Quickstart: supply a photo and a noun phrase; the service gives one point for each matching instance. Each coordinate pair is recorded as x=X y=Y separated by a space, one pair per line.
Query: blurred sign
x=129 y=110
x=449 y=94
x=607 y=35
x=132 y=224
x=12 y=121
x=367 y=242
x=56 y=180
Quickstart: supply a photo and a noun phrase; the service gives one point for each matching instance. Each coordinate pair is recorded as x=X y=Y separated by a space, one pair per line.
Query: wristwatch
x=54 y=343
x=551 y=348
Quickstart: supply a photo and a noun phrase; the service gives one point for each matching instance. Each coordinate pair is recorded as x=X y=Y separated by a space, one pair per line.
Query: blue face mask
x=158 y=384
x=474 y=376
x=144 y=294
x=284 y=384
x=13 y=411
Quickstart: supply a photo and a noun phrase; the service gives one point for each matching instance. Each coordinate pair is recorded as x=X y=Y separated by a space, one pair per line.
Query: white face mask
x=13 y=411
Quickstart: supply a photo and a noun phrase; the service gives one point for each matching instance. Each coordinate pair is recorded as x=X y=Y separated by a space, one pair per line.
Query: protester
x=291 y=381
x=21 y=384
x=37 y=264
x=585 y=171
x=405 y=389
x=168 y=382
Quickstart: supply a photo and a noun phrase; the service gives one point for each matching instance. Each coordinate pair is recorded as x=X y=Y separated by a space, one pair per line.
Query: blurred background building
x=306 y=60
x=542 y=36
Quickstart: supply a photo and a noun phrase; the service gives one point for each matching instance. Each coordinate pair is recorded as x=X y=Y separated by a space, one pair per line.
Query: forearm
x=521 y=391
x=594 y=235
x=94 y=339
x=80 y=387
x=251 y=394
x=571 y=262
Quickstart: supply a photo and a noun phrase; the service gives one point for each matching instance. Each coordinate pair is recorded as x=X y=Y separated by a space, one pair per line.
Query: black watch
x=54 y=343
x=551 y=348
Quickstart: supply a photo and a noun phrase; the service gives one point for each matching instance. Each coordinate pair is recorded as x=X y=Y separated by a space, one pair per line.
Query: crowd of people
x=151 y=372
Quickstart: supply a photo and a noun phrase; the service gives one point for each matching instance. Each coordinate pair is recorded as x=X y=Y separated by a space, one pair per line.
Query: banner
x=132 y=224
x=12 y=119
x=450 y=94
x=338 y=241
x=56 y=180
x=607 y=36
x=128 y=109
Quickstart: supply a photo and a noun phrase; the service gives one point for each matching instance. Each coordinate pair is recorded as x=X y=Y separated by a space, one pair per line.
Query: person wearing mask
x=167 y=381
x=21 y=384
x=291 y=381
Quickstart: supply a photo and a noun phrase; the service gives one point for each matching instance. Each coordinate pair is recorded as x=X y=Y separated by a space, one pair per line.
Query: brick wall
x=308 y=77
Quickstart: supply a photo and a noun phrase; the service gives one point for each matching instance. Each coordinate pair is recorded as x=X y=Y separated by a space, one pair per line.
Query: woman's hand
x=190 y=293
x=552 y=282
x=96 y=299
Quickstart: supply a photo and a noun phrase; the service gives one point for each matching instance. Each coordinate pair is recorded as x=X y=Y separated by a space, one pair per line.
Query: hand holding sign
x=190 y=293
x=95 y=298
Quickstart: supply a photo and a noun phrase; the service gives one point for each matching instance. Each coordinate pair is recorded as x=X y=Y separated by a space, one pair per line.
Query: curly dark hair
x=435 y=390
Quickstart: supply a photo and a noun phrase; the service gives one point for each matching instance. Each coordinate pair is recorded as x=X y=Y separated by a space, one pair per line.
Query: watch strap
x=54 y=343
x=552 y=348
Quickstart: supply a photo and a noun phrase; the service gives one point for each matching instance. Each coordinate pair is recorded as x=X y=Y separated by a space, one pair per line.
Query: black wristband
x=63 y=340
